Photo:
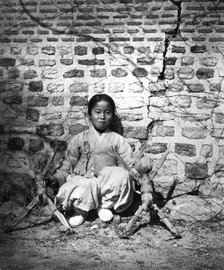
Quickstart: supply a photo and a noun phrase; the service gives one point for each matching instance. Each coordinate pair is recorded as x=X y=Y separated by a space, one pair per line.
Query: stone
x=194 y=132
x=39 y=101
x=140 y=72
x=32 y=114
x=78 y=101
x=196 y=171
x=185 y=149
x=194 y=208
x=35 y=86
x=36 y=145
x=195 y=88
x=119 y=72
x=7 y=62
x=50 y=130
x=15 y=143
x=156 y=148
x=80 y=50
x=50 y=50
x=79 y=87
x=74 y=73
x=205 y=73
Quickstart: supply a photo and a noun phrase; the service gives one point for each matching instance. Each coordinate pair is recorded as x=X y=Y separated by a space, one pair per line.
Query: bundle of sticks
x=147 y=190
x=41 y=196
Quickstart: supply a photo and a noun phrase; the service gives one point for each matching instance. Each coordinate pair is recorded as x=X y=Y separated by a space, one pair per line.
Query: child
x=90 y=172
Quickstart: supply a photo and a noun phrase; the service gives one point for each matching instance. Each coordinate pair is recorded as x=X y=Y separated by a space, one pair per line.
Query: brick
x=49 y=62
x=130 y=116
x=36 y=86
x=91 y=62
x=30 y=74
x=55 y=88
x=138 y=39
x=28 y=32
x=187 y=60
x=194 y=132
x=128 y=49
x=140 y=72
x=50 y=130
x=15 y=99
x=219 y=118
x=119 y=39
x=78 y=101
x=32 y=50
x=156 y=148
x=50 y=50
x=27 y=62
x=52 y=39
x=98 y=73
x=195 y=88
x=5 y=40
x=146 y=60
x=78 y=87
x=66 y=62
x=163 y=131
x=76 y=129
x=58 y=101
x=119 y=72
x=84 y=39
x=74 y=73
x=32 y=115
x=80 y=50
x=206 y=150
x=196 y=171
x=184 y=149
x=136 y=132
x=16 y=50
x=36 y=145
x=198 y=49
x=186 y=73
x=37 y=101
x=15 y=143
x=36 y=40
x=178 y=49
x=20 y=40
x=215 y=87
x=13 y=73
x=49 y=73
x=98 y=50
x=205 y=73
x=7 y=62
x=170 y=60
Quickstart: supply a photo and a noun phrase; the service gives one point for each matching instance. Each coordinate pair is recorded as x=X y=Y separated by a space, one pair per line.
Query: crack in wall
x=171 y=34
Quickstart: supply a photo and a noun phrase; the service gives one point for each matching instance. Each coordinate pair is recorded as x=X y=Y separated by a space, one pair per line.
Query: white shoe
x=78 y=218
x=105 y=214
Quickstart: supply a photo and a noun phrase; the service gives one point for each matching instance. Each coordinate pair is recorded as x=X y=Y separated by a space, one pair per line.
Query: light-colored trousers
x=112 y=189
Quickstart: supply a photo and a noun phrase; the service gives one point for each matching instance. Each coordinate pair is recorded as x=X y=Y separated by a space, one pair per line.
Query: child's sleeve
x=70 y=160
x=125 y=151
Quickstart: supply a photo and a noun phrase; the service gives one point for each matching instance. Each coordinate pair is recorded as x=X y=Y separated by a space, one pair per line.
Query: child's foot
x=105 y=214
x=78 y=218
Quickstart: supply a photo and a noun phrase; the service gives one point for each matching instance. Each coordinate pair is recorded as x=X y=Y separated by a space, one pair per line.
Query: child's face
x=101 y=115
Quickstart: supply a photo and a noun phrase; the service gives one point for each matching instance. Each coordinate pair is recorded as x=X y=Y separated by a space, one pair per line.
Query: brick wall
x=161 y=61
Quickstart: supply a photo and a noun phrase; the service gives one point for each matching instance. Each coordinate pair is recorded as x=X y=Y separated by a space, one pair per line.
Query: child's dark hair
x=99 y=97
x=115 y=123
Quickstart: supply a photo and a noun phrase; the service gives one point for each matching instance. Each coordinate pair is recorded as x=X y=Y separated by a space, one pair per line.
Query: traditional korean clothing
x=91 y=174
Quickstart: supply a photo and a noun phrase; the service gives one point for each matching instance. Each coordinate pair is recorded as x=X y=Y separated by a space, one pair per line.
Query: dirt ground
x=96 y=245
